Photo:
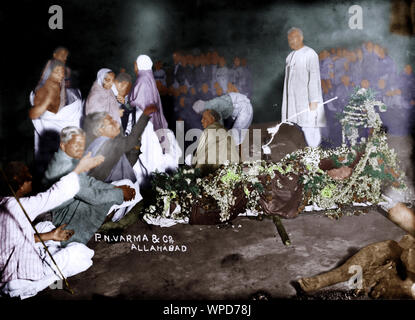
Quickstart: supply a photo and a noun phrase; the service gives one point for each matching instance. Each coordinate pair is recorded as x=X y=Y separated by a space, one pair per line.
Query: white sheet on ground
x=126 y=206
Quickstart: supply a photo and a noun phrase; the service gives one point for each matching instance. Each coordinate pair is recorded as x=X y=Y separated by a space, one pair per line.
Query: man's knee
x=403 y=216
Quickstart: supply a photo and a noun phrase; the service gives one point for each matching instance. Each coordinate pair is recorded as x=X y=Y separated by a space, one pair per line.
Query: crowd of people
x=200 y=77
x=367 y=66
x=105 y=146
x=92 y=156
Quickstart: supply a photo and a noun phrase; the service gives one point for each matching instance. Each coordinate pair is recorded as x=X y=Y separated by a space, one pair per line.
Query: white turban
x=144 y=62
x=101 y=75
x=199 y=106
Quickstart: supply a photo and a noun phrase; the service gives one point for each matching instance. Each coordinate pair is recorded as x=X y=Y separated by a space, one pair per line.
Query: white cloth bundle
x=126 y=206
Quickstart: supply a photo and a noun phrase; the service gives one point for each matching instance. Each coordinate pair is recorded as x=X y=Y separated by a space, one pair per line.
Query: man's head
x=203 y=60
x=408 y=69
x=365 y=84
x=57 y=73
x=196 y=61
x=19 y=178
x=109 y=127
x=183 y=89
x=209 y=117
x=295 y=38
x=222 y=62
x=182 y=101
x=123 y=83
x=205 y=88
x=359 y=54
x=101 y=124
x=381 y=83
x=73 y=141
x=209 y=58
x=369 y=46
x=236 y=62
x=379 y=51
x=61 y=54
x=214 y=58
x=219 y=91
x=345 y=80
x=323 y=55
x=351 y=56
x=232 y=87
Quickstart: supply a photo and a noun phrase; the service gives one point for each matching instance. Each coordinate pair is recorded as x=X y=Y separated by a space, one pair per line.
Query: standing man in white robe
x=302 y=89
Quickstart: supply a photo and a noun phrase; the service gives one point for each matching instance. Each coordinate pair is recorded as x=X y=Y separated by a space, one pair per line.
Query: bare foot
x=392 y=288
x=310 y=284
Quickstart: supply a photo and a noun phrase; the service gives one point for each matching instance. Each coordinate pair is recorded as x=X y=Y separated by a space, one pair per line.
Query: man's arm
x=314 y=83
x=132 y=140
x=96 y=192
x=42 y=100
x=63 y=190
x=58 y=234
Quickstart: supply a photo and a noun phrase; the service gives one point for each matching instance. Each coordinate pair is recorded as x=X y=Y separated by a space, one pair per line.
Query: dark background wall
x=108 y=33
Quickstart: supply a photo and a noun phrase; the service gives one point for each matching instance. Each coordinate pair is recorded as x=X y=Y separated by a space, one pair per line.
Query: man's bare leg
x=403 y=217
x=393 y=287
x=368 y=258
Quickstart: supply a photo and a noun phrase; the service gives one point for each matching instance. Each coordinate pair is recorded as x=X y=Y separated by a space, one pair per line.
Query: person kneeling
x=214 y=148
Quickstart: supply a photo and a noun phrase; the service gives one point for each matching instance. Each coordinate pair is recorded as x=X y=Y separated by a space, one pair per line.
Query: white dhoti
x=312 y=136
x=71 y=260
x=152 y=157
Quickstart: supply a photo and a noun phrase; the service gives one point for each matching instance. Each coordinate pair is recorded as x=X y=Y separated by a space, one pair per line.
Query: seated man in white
x=25 y=267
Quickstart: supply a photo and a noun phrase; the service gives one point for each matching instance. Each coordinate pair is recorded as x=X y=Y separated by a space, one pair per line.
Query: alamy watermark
x=356 y=18
x=56 y=20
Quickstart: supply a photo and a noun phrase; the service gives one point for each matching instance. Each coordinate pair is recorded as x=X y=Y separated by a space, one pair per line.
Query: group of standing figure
x=368 y=66
x=200 y=77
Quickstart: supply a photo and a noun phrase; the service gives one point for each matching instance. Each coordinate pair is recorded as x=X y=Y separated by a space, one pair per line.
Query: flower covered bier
x=333 y=180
